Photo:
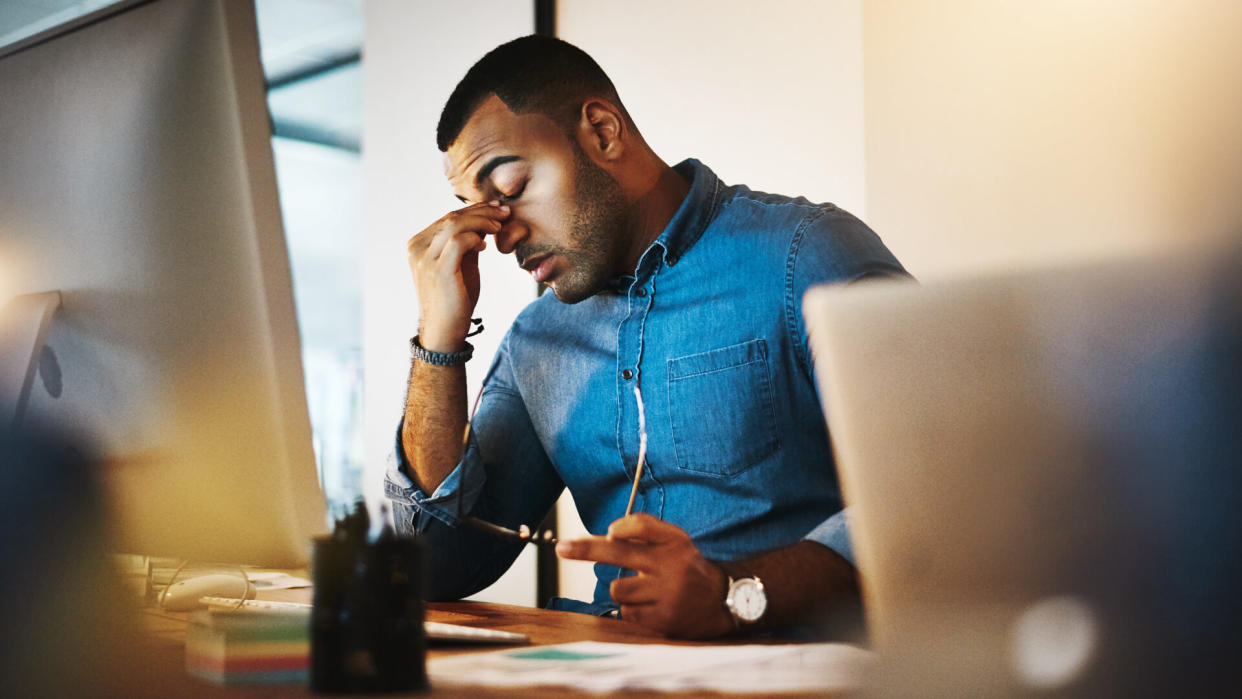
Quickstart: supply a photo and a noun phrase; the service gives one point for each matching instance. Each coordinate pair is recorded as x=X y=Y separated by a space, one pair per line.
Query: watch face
x=748 y=599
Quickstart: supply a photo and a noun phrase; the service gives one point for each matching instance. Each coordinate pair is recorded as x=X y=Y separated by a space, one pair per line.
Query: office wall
x=415 y=53
x=767 y=94
x=1006 y=133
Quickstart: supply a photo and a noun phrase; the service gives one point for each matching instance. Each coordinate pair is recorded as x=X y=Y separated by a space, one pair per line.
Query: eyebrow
x=486 y=171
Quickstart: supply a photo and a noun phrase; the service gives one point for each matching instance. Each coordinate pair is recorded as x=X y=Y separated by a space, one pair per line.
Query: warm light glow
x=8 y=280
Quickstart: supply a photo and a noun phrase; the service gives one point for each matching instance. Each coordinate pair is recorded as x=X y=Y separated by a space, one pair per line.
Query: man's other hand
x=444 y=261
x=676 y=591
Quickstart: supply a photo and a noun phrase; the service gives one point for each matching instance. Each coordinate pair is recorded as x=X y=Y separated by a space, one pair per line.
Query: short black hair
x=531 y=74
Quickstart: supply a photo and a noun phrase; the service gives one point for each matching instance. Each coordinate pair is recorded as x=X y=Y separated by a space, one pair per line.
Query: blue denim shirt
x=710 y=327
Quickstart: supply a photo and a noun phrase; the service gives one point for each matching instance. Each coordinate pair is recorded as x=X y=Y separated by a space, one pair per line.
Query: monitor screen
x=138 y=182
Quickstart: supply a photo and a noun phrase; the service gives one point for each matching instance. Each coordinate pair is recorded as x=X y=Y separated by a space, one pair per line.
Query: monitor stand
x=24 y=322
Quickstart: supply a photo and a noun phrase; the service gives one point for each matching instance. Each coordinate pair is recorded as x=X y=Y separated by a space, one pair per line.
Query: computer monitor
x=138 y=182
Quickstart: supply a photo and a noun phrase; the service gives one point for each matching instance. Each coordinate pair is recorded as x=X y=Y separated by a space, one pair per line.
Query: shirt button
x=642 y=293
x=627 y=374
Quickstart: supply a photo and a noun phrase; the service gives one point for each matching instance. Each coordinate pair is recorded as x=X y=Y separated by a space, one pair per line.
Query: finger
x=639 y=557
x=493 y=208
x=653 y=616
x=470 y=223
x=489 y=210
x=448 y=264
x=484 y=219
x=451 y=238
x=634 y=589
x=636 y=612
x=482 y=210
x=487 y=213
x=644 y=527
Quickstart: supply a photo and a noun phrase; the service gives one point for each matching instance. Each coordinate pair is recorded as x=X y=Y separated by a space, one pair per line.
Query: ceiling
x=22 y=18
x=311 y=53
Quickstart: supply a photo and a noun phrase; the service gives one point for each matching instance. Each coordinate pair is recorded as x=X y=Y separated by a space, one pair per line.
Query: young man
x=665 y=279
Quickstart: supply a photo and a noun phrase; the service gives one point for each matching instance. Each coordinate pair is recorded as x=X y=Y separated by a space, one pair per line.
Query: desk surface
x=165 y=658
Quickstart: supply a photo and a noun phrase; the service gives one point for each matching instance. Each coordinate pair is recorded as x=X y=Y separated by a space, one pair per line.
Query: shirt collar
x=696 y=211
x=688 y=223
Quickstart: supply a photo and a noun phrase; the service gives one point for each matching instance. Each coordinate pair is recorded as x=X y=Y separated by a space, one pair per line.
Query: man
x=665 y=279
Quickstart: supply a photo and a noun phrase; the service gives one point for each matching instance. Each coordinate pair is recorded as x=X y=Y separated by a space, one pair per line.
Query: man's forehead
x=494 y=131
x=491 y=128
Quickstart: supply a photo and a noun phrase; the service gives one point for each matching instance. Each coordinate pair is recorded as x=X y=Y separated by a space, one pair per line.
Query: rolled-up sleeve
x=504 y=477
x=449 y=500
x=834 y=533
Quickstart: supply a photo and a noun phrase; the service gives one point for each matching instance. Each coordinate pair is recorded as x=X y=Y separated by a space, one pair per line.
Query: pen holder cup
x=367 y=622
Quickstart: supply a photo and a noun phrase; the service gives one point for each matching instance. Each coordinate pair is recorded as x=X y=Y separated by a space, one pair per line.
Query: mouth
x=539 y=266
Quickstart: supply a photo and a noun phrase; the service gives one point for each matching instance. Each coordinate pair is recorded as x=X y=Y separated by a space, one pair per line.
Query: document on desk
x=610 y=667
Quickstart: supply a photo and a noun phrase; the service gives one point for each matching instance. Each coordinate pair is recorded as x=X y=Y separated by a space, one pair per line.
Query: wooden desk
x=164 y=673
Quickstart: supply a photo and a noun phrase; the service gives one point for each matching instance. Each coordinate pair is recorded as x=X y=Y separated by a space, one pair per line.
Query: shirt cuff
x=456 y=494
x=834 y=533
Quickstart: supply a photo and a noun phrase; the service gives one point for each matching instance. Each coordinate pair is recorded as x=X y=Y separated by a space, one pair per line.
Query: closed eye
x=515 y=195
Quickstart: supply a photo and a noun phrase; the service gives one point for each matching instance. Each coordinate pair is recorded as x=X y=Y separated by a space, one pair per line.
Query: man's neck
x=654 y=208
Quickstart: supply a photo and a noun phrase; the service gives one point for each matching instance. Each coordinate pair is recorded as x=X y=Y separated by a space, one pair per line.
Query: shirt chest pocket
x=720 y=405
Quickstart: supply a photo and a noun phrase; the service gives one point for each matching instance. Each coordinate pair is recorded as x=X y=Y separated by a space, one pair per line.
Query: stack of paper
x=247 y=647
x=614 y=667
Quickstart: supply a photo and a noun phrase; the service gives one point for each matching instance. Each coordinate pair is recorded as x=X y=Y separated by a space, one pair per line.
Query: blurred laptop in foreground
x=1042 y=475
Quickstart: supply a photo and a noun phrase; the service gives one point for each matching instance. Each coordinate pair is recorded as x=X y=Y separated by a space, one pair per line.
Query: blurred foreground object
x=366 y=628
x=67 y=629
x=1043 y=476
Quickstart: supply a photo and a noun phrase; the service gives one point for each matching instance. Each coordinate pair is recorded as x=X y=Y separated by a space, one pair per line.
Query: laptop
x=1042 y=471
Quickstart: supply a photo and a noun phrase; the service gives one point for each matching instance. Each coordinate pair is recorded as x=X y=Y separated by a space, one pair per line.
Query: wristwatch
x=746 y=600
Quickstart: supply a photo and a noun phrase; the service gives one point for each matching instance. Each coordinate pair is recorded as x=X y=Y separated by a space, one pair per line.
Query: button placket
x=629 y=361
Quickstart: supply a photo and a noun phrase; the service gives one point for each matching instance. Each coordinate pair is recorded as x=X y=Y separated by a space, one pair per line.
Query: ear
x=602 y=131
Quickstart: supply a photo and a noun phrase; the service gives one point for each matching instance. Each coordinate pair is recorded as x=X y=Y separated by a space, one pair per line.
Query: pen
x=642 y=450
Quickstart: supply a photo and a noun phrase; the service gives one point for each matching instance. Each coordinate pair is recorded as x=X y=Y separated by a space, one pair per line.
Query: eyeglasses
x=525 y=533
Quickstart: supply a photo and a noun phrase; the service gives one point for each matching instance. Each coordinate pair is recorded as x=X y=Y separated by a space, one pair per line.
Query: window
x=312 y=59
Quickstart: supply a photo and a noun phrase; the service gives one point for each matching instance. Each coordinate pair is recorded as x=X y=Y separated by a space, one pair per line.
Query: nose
x=511 y=233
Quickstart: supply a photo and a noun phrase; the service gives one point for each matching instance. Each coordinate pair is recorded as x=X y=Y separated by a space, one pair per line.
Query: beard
x=598 y=233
